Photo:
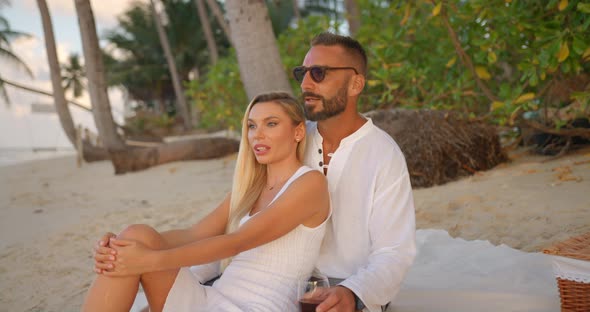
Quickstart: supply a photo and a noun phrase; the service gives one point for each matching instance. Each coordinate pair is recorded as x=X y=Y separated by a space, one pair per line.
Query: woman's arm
x=306 y=202
x=211 y=225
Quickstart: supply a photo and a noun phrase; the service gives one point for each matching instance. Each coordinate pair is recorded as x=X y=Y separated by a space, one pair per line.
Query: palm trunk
x=214 y=7
x=34 y=90
x=213 y=55
x=296 y=11
x=97 y=87
x=181 y=105
x=256 y=47
x=353 y=16
x=61 y=105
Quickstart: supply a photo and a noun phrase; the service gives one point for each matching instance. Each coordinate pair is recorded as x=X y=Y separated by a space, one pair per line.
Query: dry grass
x=440 y=146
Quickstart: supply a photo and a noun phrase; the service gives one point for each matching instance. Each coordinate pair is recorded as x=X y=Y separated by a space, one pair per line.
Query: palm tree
x=142 y=69
x=296 y=11
x=216 y=9
x=61 y=105
x=256 y=47
x=7 y=55
x=181 y=105
x=353 y=16
x=101 y=106
x=73 y=75
x=213 y=55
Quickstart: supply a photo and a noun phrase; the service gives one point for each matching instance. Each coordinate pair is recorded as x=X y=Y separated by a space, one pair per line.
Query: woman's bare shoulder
x=311 y=181
x=314 y=176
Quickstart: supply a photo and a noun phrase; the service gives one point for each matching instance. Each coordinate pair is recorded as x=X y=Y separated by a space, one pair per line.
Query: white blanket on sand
x=452 y=274
x=455 y=275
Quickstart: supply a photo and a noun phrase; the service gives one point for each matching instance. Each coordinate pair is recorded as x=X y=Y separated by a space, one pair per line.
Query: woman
x=271 y=223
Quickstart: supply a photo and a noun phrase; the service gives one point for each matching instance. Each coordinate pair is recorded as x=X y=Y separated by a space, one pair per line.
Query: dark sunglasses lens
x=299 y=73
x=317 y=74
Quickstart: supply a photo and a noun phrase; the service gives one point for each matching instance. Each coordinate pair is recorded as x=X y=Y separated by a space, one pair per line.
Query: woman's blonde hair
x=249 y=175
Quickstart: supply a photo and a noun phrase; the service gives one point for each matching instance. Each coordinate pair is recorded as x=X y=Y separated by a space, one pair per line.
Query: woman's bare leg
x=118 y=293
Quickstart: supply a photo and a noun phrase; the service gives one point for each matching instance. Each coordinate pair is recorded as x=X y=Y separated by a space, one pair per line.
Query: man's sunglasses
x=317 y=73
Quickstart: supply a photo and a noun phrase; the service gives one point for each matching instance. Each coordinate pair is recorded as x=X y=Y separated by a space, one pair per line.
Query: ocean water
x=11 y=156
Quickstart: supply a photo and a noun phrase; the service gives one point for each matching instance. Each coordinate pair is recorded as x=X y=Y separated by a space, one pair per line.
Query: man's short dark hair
x=349 y=44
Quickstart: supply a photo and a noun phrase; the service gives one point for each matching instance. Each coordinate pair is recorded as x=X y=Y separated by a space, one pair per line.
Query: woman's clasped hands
x=121 y=257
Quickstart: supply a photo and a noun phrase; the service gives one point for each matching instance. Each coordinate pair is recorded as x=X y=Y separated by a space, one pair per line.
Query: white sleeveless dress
x=260 y=279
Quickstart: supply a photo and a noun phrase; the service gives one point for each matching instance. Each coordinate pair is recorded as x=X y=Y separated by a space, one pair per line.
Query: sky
x=19 y=127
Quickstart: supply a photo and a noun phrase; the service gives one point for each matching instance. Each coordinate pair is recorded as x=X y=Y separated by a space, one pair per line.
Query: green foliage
x=149 y=124
x=518 y=49
x=281 y=13
x=294 y=44
x=220 y=96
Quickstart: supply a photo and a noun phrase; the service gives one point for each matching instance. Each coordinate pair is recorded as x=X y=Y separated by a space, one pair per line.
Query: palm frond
x=3 y=93
x=15 y=60
x=8 y=35
x=73 y=75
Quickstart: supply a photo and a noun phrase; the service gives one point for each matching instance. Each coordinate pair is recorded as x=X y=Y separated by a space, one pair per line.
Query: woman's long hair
x=249 y=175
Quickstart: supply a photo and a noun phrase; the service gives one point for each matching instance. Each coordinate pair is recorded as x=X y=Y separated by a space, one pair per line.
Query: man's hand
x=338 y=299
x=104 y=255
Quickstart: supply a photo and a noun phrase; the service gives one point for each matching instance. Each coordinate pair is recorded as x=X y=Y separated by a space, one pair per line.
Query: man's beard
x=330 y=108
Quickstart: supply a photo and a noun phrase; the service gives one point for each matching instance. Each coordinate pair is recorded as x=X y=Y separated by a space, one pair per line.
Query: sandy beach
x=52 y=213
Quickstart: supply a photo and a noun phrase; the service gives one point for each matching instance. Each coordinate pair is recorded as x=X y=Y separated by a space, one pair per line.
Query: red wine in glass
x=308 y=305
x=310 y=292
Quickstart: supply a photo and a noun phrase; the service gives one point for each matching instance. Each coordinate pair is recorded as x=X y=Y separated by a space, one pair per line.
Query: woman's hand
x=104 y=255
x=133 y=258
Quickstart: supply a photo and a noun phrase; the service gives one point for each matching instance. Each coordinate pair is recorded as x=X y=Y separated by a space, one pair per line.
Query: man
x=370 y=242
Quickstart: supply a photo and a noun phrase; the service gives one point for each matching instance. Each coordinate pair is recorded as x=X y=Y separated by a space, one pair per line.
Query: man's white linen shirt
x=370 y=239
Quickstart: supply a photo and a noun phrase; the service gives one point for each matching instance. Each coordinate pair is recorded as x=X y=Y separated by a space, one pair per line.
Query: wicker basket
x=575 y=296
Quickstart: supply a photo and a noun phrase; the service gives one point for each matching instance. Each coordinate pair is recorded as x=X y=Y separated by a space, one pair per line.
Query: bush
x=219 y=96
x=494 y=59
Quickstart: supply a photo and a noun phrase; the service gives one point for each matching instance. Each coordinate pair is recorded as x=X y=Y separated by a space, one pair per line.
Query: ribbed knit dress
x=260 y=279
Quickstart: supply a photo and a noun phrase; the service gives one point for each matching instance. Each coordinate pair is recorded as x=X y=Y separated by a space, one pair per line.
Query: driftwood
x=91 y=153
x=575 y=132
x=548 y=140
x=140 y=158
x=440 y=146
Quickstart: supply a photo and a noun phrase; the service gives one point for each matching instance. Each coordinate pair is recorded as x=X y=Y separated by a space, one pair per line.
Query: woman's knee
x=144 y=234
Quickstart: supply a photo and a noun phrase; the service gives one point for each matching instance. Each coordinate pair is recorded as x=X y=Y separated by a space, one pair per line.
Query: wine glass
x=311 y=292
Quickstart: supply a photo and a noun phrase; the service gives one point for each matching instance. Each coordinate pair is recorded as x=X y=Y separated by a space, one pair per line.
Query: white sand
x=527 y=204
x=52 y=213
